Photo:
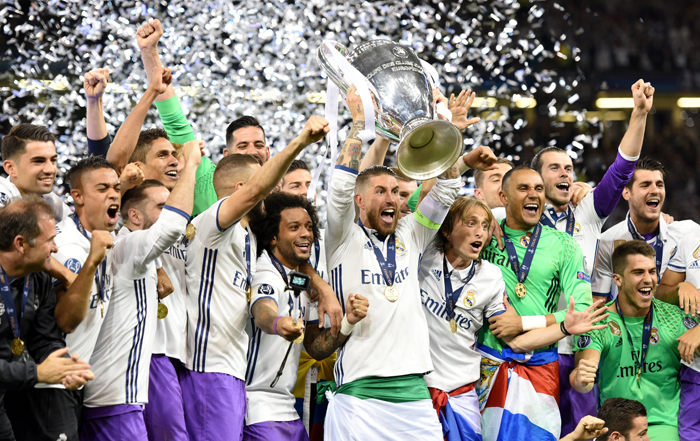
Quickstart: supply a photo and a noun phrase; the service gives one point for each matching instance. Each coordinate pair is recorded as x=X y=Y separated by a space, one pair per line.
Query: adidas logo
x=619 y=343
x=437 y=274
x=694 y=265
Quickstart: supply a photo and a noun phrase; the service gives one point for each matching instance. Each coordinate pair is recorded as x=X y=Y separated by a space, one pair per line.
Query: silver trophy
x=403 y=102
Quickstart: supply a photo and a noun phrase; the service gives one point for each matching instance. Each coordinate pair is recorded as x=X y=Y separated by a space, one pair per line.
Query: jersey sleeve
x=679 y=260
x=587 y=214
x=609 y=190
x=601 y=281
x=341 y=208
x=267 y=283
x=596 y=339
x=574 y=280
x=209 y=233
x=148 y=245
x=495 y=305
x=433 y=209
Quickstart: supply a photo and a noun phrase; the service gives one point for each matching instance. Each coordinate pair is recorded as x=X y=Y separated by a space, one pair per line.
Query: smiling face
x=406 y=189
x=379 y=204
x=249 y=141
x=637 y=283
x=558 y=177
x=161 y=163
x=38 y=257
x=467 y=237
x=293 y=242
x=646 y=195
x=523 y=197
x=97 y=199
x=296 y=182
x=35 y=170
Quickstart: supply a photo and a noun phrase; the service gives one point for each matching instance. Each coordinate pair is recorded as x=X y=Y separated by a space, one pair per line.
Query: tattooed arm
x=265 y=313
x=351 y=152
x=320 y=344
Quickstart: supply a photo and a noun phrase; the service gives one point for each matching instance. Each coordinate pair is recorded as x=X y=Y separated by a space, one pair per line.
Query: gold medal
x=102 y=308
x=189 y=231
x=17 y=346
x=520 y=290
x=248 y=294
x=453 y=325
x=299 y=339
x=639 y=374
x=391 y=293
x=162 y=311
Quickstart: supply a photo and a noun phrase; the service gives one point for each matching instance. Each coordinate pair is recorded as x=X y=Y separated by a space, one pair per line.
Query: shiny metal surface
x=403 y=103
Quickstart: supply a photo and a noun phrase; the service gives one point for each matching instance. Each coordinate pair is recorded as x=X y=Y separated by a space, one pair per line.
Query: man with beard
x=538 y=264
x=584 y=222
x=220 y=267
x=154 y=219
x=380 y=373
x=286 y=234
x=245 y=136
x=637 y=357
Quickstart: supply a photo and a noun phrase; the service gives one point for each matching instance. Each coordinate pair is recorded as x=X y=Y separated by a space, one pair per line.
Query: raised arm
x=147 y=38
x=95 y=84
x=350 y=153
x=268 y=176
x=643 y=95
x=376 y=153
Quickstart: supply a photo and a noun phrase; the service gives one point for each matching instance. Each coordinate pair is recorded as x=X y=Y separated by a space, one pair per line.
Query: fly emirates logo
x=438 y=308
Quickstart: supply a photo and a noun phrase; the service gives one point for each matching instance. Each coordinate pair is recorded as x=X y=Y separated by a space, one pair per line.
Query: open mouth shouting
x=653 y=203
x=475 y=247
x=563 y=187
x=113 y=214
x=531 y=208
x=388 y=215
x=645 y=292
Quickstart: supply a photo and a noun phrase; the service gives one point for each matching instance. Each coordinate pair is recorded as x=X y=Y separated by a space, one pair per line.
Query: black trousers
x=45 y=414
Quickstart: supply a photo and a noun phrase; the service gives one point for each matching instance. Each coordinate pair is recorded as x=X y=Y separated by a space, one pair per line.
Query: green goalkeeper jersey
x=658 y=387
x=557 y=267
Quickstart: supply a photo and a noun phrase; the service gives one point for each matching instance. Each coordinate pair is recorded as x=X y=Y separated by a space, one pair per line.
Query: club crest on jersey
x=614 y=328
x=525 y=240
x=689 y=323
x=654 y=336
x=400 y=248
x=73 y=265
x=696 y=253
x=437 y=273
x=4 y=199
x=470 y=299
x=577 y=229
x=266 y=290
x=673 y=251
x=619 y=242
x=584 y=341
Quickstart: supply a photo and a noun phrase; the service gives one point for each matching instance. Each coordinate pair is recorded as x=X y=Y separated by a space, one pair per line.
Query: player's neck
x=284 y=261
x=644 y=226
x=517 y=225
x=9 y=263
x=458 y=262
x=22 y=191
x=630 y=310
x=244 y=221
x=85 y=221
x=557 y=208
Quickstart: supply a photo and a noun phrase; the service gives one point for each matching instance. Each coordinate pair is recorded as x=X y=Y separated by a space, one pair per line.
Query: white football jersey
x=217 y=308
x=318 y=256
x=10 y=192
x=455 y=358
x=122 y=355
x=171 y=332
x=671 y=236
x=393 y=339
x=266 y=351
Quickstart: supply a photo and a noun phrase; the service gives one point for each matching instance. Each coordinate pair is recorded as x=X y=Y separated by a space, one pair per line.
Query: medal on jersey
x=658 y=246
x=248 y=276
x=452 y=296
x=570 y=220
x=17 y=345
x=521 y=271
x=388 y=265
x=646 y=337
x=190 y=231
x=162 y=310
x=101 y=273
x=299 y=339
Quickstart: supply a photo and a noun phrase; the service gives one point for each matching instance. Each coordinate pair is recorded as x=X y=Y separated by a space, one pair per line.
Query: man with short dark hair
x=245 y=136
x=156 y=156
x=487 y=184
x=297 y=179
x=406 y=188
x=625 y=419
x=637 y=356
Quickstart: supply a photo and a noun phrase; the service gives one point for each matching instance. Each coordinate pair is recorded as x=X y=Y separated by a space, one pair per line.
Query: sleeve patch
x=266 y=290
x=74 y=265
x=689 y=323
x=583 y=276
x=584 y=341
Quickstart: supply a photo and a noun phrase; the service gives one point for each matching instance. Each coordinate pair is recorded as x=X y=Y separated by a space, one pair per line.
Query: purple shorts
x=215 y=405
x=164 y=413
x=276 y=430
x=573 y=405
x=123 y=422
x=689 y=415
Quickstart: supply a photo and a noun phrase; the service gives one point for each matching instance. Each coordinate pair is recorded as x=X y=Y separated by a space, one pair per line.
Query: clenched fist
x=356 y=308
x=99 y=243
x=95 y=83
x=161 y=79
x=131 y=176
x=314 y=130
x=148 y=35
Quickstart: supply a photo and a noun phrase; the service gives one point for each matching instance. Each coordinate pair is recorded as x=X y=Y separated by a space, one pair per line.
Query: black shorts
x=53 y=412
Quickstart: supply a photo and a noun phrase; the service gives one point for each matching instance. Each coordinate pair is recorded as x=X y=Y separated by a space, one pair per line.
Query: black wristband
x=563 y=328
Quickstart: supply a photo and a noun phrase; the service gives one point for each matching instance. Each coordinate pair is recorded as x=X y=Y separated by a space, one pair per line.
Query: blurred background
x=546 y=73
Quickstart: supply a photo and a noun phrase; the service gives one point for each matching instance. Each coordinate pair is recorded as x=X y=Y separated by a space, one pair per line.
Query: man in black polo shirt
x=27 y=301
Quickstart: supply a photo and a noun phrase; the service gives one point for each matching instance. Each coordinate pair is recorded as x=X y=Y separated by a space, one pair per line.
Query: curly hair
x=267 y=227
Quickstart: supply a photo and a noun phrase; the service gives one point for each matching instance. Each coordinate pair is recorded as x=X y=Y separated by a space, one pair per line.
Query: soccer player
x=220 y=266
x=626 y=420
x=286 y=234
x=406 y=188
x=487 y=184
x=584 y=222
x=154 y=219
x=637 y=356
x=297 y=179
x=462 y=290
x=381 y=391
x=538 y=264
x=245 y=136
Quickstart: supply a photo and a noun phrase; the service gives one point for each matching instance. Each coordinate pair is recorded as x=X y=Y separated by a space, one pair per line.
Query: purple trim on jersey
x=262 y=298
x=178 y=211
x=164 y=414
x=495 y=314
x=215 y=405
x=649 y=236
x=276 y=430
x=218 y=225
x=113 y=423
x=678 y=269
x=347 y=169
x=689 y=415
x=573 y=405
x=609 y=190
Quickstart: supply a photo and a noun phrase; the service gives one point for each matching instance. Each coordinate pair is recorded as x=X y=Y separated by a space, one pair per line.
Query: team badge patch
x=696 y=253
x=689 y=323
x=4 y=199
x=654 y=336
x=470 y=299
x=584 y=341
x=673 y=252
x=614 y=328
x=619 y=242
x=400 y=248
x=437 y=273
x=525 y=240
x=74 y=265
x=266 y=290
x=577 y=228
x=583 y=276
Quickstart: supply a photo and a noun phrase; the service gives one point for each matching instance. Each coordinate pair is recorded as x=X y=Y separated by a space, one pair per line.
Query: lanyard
x=521 y=271
x=658 y=245
x=570 y=220
x=10 y=303
x=646 y=336
x=247 y=259
x=100 y=274
x=450 y=295
x=296 y=305
x=387 y=266
x=279 y=267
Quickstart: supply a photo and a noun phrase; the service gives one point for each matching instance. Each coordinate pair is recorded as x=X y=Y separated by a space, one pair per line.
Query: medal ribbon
x=317 y=250
x=521 y=271
x=387 y=266
x=452 y=296
x=658 y=245
x=570 y=220
x=280 y=269
x=100 y=274
x=646 y=335
x=10 y=303
x=247 y=259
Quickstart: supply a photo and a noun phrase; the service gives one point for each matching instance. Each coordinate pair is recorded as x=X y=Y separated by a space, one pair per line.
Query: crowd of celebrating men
x=163 y=305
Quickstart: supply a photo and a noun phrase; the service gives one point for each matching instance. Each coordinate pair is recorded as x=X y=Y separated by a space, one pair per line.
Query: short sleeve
x=208 y=231
x=592 y=340
x=496 y=306
x=601 y=282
